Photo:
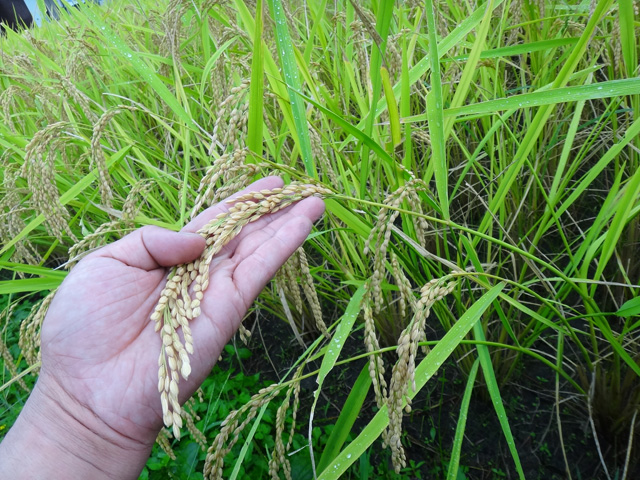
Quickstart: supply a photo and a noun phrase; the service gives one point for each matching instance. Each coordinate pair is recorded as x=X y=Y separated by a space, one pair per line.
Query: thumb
x=153 y=247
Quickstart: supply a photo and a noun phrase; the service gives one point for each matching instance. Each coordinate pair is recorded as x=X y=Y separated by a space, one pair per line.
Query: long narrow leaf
x=256 y=92
x=333 y=352
x=424 y=371
x=292 y=79
x=348 y=416
x=496 y=398
x=454 y=462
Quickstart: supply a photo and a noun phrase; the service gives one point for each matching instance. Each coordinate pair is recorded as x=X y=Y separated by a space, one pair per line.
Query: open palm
x=99 y=347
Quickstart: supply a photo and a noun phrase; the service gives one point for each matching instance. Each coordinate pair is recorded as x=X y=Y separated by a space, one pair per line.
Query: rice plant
x=480 y=163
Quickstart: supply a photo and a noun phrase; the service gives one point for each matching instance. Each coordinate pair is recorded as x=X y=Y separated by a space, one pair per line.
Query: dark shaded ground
x=429 y=430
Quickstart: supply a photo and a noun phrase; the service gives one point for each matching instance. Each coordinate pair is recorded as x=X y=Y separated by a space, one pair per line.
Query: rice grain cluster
x=180 y=299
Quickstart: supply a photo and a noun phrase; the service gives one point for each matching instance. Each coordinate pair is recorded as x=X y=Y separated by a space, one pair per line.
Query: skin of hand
x=95 y=411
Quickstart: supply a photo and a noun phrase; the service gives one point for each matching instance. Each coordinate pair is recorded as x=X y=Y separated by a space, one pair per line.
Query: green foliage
x=495 y=144
x=12 y=399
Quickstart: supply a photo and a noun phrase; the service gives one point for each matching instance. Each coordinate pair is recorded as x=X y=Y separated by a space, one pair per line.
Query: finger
x=259 y=255
x=267 y=183
x=152 y=247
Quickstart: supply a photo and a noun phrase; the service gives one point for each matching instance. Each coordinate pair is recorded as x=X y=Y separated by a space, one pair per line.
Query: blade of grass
x=247 y=443
x=383 y=21
x=211 y=63
x=435 y=117
x=424 y=371
x=29 y=285
x=520 y=49
x=631 y=133
x=66 y=197
x=292 y=79
x=543 y=114
x=147 y=74
x=470 y=68
x=348 y=415
x=392 y=108
x=612 y=88
x=33 y=270
x=494 y=393
x=417 y=72
x=621 y=218
x=628 y=38
x=256 y=93
x=331 y=355
x=454 y=461
x=360 y=135
x=630 y=308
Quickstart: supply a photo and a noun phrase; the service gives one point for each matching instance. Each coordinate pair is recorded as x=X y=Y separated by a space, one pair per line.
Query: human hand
x=99 y=348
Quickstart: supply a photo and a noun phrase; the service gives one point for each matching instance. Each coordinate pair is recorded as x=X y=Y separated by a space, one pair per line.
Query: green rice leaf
x=620 y=220
x=332 y=352
x=609 y=89
x=147 y=74
x=424 y=371
x=66 y=197
x=348 y=415
x=628 y=39
x=256 y=93
x=29 y=285
x=494 y=393
x=436 y=118
x=392 y=108
x=630 y=308
x=454 y=462
x=292 y=80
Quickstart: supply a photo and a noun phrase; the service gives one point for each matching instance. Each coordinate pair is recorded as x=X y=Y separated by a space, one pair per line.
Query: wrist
x=54 y=434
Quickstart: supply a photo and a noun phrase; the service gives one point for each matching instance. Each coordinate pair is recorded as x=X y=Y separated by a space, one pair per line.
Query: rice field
x=479 y=163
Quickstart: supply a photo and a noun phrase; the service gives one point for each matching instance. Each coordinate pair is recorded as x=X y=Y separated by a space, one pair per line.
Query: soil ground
x=429 y=429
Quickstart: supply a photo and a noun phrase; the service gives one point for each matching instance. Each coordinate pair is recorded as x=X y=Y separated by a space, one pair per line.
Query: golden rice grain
x=176 y=307
x=73 y=93
x=310 y=293
x=232 y=428
x=97 y=155
x=39 y=170
x=11 y=222
x=278 y=457
x=163 y=440
x=9 y=361
x=403 y=372
x=29 y=339
x=376 y=363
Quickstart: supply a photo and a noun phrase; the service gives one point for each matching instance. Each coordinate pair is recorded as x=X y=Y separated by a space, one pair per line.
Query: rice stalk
x=279 y=457
x=8 y=103
x=11 y=223
x=122 y=224
x=29 y=338
x=97 y=155
x=310 y=293
x=232 y=428
x=76 y=96
x=9 y=361
x=176 y=307
x=164 y=442
x=380 y=235
x=228 y=174
x=39 y=169
x=376 y=362
x=403 y=373
x=236 y=124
